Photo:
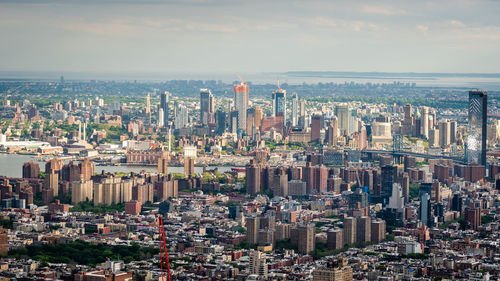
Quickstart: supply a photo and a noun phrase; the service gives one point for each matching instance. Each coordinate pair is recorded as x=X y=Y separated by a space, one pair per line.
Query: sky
x=212 y=36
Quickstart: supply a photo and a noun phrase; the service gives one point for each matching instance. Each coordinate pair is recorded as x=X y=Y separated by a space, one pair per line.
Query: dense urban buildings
x=261 y=188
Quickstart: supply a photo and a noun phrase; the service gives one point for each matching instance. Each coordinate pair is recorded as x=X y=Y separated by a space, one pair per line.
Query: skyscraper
x=241 y=104
x=279 y=104
x=161 y=118
x=316 y=126
x=424 y=213
x=253 y=176
x=425 y=121
x=207 y=104
x=221 y=122
x=342 y=113
x=444 y=133
x=164 y=105
x=476 y=139
x=295 y=109
x=148 y=107
x=181 y=117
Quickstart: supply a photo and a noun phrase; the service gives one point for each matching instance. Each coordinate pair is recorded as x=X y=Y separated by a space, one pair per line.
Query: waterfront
x=11 y=165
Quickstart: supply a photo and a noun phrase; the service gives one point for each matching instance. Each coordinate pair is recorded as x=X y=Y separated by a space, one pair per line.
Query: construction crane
x=241 y=79
x=163 y=244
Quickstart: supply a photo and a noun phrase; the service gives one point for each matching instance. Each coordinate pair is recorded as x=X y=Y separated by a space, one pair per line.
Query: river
x=11 y=165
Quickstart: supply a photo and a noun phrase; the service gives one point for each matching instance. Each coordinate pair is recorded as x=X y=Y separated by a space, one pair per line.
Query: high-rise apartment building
x=163 y=165
x=148 y=107
x=335 y=239
x=476 y=133
x=350 y=230
x=252 y=226
x=253 y=177
x=306 y=238
x=188 y=166
x=444 y=133
x=257 y=263
x=241 y=100
x=81 y=191
x=31 y=170
x=295 y=109
x=363 y=229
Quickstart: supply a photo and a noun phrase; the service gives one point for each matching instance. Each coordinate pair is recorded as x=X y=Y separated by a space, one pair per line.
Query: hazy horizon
x=223 y=36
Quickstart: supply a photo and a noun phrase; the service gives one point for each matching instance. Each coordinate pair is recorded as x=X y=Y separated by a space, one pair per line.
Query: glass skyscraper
x=476 y=139
x=164 y=105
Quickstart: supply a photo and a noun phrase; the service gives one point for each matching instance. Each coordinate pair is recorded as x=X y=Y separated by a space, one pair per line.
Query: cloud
x=421 y=27
x=455 y=23
x=379 y=10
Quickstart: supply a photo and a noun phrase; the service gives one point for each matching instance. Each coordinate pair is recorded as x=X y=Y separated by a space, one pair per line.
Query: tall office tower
x=424 y=213
x=188 y=166
x=476 y=138
x=453 y=131
x=407 y=120
x=333 y=131
x=257 y=263
x=221 y=122
x=233 y=122
x=82 y=190
x=342 y=113
x=253 y=176
x=316 y=122
x=207 y=106
x=148 y=107
x=251 y=129
x=252 y=225
x=279 y=104
x=302 y=108
x=444 y=133
x=163 y=164
x=306 y=238
x=258 y=117
x=389 y=177
x=182 y=117
x=295 y=109
x=349 y=230
x=161 y=118
x=335 y=239
x=424 y=123
x=241 y=97
x=164 y=96
x=363 y=229
x=31 y=170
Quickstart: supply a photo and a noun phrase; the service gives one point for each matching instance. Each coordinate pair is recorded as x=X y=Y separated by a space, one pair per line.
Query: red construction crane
x=163 y=244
